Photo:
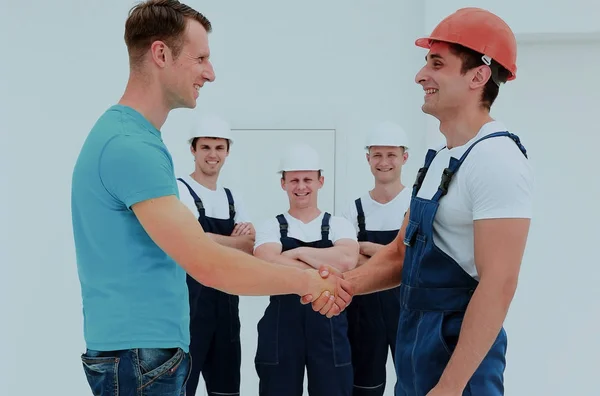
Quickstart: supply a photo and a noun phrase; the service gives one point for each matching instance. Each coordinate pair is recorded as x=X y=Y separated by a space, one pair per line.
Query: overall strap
x=325 y=227
x=197 y=200
x=231 y=204
x=283 y=225
x=360 y=218
x=455 y=164
x=431 y=153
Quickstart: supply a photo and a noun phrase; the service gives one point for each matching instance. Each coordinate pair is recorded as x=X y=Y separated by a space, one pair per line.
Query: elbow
x=348 y=262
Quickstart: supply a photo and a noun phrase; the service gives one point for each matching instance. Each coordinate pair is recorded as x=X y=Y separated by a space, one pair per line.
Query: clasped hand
x=334 y=293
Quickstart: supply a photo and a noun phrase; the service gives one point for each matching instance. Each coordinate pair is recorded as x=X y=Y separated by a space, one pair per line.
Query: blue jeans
x=137 y=372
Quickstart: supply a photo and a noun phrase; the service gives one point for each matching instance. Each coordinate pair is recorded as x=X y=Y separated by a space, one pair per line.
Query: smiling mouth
x=212 y=162
x=384 y=170
x=197 y=87
x=431 y=91
x=301 y=194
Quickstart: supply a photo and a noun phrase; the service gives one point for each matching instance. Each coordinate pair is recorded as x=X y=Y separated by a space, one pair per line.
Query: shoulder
x=342 y=228
x=498 y=156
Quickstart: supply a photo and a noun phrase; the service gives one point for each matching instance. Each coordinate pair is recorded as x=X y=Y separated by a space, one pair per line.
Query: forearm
x=234 y=272
x=380 y=272
x=333 y=256
x=481 y=325
x=283 y=260
x=245 y=243
x=362 y=259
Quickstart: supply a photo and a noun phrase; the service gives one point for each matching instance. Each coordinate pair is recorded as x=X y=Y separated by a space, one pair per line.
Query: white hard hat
x=387 y=133
x=209 y=125
x=300 y=157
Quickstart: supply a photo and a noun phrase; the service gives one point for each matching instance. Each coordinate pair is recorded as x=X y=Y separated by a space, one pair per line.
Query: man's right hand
x=327 y=303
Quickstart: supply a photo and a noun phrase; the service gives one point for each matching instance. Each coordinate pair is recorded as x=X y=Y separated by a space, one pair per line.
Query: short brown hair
x=163 y=20
x=472 y=59
x=194 y=142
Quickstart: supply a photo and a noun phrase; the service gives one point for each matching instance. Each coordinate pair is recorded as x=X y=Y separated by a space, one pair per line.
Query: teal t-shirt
x=134 y=295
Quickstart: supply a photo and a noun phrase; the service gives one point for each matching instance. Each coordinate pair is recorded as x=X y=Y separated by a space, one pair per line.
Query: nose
x=421 y=75
x=209 y=72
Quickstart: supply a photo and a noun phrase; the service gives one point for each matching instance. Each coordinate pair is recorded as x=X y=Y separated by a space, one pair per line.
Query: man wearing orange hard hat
x=458 y=254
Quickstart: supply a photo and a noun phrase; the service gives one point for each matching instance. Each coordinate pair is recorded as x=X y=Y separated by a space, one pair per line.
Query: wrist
x=451 y=386
x=302 y=282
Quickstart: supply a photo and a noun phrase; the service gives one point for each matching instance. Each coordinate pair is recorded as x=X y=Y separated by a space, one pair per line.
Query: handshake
x=328 y=292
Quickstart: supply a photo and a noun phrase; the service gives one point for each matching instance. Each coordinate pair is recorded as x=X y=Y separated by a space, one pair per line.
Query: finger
x=342 y=300
x=327 y=306
x=320 y=302
x=306 y=299
x=334 y=311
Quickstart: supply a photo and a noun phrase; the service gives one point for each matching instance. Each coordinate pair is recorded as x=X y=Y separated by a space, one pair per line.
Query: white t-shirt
x=378 y=216
x=494 y=181
x=215 y=202
x=268 y=230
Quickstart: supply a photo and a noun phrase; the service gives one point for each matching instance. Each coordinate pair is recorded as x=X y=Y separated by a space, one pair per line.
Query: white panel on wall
x=251 y=171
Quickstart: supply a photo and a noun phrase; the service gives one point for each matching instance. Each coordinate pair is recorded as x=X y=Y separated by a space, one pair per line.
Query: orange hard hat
x=481 y=31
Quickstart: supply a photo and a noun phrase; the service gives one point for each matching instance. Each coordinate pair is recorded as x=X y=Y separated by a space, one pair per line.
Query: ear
x=481 y=75
x=282 y=183
x=192 y=150
x=405 y=157
x=368 y=157
x=321 y=181
x=159 y=53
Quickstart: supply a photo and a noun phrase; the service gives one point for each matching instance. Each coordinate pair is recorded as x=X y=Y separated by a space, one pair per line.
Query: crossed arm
x=343 y=256
x=242 y=238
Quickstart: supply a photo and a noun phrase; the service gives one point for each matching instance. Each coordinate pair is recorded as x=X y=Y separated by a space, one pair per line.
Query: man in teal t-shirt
x=135 y=240
x=124 y=161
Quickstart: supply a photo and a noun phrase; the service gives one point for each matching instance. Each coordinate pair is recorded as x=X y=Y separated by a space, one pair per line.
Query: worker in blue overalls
x=377 y=217
x=214 y=317
x=291 y=336
x=459 y=252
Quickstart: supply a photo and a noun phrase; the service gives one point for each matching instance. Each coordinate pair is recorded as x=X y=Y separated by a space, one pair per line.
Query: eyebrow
x=433 y=56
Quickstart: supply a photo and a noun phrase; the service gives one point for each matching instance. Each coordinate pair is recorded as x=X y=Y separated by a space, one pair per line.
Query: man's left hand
x=243 y=229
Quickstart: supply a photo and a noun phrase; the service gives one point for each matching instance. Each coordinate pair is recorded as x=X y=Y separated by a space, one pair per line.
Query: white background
x=288 y=66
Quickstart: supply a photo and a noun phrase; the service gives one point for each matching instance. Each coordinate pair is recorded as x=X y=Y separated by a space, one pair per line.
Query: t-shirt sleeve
x=267 y=232
x=134 y=170
x=241 y=213
x=349 y=213
x=341 y=228
x=501 y=184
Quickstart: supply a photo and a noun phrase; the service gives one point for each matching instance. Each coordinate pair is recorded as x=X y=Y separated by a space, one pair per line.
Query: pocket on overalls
x=449 y=330
x=267 y=349
x=234 y=317
x=342 y=353
x=101 y=373
x=162 y=369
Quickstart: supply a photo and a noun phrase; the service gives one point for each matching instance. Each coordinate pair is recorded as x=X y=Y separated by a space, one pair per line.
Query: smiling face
x=302 y=188
x=386 y=162
x=448 y=88
x=209 y=155
x=183 y=77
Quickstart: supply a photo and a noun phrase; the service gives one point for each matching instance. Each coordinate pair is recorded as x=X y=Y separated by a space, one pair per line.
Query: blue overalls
x=292 y=336
x=434 y=295
x=372 y=323
x=215 y=345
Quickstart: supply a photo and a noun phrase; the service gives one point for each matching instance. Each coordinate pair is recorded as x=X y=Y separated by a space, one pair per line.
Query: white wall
x=286 y=65
x=279 y=65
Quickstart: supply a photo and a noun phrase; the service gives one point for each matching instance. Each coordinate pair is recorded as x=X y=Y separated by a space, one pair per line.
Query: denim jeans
x=137 y=372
